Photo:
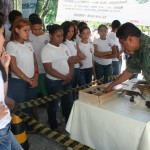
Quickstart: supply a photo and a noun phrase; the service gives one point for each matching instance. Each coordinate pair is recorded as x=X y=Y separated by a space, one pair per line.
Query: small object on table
x=132 y=99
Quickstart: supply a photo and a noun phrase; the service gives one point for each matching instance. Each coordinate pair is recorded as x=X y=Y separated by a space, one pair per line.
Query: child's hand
x=80 y=63
x=71 y=59
x=35 y=81
x=82 y=56
x=10 y=103
x=5 y=59
x=68 y=79
x=3 y=110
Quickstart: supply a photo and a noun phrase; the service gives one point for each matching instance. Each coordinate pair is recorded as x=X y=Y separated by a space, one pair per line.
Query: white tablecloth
x=117 y=125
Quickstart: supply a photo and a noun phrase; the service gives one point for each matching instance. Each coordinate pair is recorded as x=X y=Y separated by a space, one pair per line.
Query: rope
x=46 y=99
x=60 y=138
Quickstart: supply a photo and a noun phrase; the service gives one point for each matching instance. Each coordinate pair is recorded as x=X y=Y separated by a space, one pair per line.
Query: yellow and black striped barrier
x=60 y=138
x=18 y=129
x=46 y=99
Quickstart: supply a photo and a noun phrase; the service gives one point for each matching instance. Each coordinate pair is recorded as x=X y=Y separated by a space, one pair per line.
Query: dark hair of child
x=128 y=29
x=100 y=26
x=13 y=14
x=32 y=16
x=66 y=25
x=81 y=24
x=115 y=24
x=84 y=28
x=4 y=75
x=35 y=20
x=2 y=16
x=75 y=22
x=54 y=28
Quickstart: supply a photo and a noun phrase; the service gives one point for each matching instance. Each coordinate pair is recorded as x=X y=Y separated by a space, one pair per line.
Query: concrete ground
x=40 y=142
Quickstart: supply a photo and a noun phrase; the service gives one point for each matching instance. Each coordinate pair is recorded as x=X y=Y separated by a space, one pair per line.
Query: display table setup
x=115 y=124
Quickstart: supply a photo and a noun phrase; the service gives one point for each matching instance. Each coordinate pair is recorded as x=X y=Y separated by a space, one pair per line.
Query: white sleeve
x=112 y=42
x=95 y=41
x=46 y=55
x=66 y=49
x=11 y=48
x=113 y=37
x=92 y=46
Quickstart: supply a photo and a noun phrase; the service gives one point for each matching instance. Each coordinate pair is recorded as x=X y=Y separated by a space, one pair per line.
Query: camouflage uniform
x=141 y=59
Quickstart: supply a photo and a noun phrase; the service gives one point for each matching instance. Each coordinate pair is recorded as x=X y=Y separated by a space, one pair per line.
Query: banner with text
x=135 y=11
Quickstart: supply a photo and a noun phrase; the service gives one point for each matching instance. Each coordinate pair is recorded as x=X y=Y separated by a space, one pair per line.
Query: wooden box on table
x=95 y=96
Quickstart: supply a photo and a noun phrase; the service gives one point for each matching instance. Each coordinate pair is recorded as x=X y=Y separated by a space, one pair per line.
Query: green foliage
x=17 y=5
x=51 y=15
x=47 y=10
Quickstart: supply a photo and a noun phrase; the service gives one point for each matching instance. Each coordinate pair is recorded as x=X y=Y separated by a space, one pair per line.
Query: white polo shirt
x=103 y=46
x=113 y=36
x=58 y=56
x=72 y=46
x=38 y=42
x=24 y=57
x=88 y=51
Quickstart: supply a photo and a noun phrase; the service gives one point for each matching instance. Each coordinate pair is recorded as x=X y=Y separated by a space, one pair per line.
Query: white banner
x=135 y=11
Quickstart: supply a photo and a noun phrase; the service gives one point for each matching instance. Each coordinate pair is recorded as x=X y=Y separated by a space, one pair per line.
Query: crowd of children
x=57 y=61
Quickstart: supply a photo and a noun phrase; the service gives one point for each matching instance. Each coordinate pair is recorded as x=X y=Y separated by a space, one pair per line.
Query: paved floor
x=40 y=142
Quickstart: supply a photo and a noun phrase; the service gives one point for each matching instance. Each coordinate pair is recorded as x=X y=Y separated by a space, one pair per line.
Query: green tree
x=47 y=9
x=17 y=5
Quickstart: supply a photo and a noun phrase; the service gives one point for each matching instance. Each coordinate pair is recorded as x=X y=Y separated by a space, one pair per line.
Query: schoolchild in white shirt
x=78 y=36
x=104 y=51
x=112 y=35
x=87 y=48
x=23 y=64
x=69 y=36
x=59 y=71
x=39 y=39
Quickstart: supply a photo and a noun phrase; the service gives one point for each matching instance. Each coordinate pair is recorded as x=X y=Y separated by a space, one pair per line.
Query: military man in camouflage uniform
x=132 y=40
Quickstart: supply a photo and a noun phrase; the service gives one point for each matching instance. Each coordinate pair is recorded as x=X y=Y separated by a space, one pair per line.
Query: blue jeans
x=75 y=81
x=8 y=140
x=103 y=71
x=85 y=76
x=54 y=86
x=115 y=67
x=20 y=91
x=76 y=77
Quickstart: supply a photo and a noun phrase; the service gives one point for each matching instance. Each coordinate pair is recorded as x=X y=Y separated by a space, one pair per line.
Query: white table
x=117 y=125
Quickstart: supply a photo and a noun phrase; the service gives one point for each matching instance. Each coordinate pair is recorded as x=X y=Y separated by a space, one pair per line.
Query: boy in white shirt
x=112 y=35
x=39 y=39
